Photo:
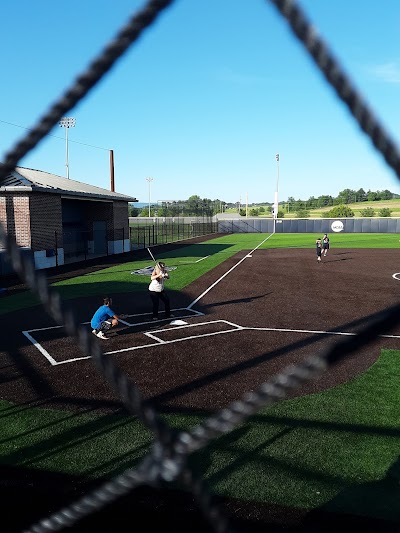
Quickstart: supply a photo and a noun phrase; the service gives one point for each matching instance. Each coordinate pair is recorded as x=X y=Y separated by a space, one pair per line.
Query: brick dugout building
x=62 y=220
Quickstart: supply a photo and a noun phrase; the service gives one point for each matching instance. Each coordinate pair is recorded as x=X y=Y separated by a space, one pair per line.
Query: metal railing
x=149 y=232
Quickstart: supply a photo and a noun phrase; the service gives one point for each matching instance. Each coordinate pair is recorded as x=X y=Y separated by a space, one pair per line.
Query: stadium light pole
x=67 y=122
x=149 y=180
x=276 y=203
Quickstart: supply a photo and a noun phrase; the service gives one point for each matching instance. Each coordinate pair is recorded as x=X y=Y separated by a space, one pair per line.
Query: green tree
x=347 y=196
x=302 y=213
x=281 y=214
x=361 y=195
x=261 y=209
x=384 y=212
x=193 y=204
x=367 y=212
x=340 y=211
x=133 y=211
x=324 y=201
x=291 y=203
x=386 y=195
x=312 y=202
x=254 y=212
x=372 y=196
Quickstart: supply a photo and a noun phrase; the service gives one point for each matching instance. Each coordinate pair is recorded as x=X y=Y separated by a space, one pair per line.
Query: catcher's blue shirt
x=101 y=315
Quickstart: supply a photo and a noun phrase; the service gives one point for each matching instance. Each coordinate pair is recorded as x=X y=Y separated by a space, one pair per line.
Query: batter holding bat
x=157 y=291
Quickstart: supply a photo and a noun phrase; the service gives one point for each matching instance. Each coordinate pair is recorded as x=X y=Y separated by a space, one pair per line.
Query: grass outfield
x=338 y=449
x=335 y=449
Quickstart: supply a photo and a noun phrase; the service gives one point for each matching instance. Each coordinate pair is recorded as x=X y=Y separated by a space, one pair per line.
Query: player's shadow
x=107 y=274
x=329 y=260
x=374 y=498
x=236 y=301
x=143 y=327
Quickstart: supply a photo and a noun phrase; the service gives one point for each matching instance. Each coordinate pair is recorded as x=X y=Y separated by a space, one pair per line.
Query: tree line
x=345 y=197
x=192 y=207
x=205 y=207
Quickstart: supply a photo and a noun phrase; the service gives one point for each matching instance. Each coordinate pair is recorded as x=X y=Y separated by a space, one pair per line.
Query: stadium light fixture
x=67 y=122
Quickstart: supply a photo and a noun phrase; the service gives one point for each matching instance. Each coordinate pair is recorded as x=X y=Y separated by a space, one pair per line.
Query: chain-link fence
x=167 y=461
x=146 y=232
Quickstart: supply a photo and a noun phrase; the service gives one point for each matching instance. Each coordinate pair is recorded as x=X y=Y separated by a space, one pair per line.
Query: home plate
x=178 y=323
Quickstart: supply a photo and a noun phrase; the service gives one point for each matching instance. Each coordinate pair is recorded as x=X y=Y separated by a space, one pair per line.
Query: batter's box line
x=37 y=345
x=191 y=311
x=160 y=342
x=315 y=332
x=234 y=327
x=54 y=362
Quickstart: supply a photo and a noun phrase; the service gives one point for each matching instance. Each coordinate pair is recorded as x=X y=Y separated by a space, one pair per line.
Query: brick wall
x=35 y=218
x=14 y=215
x=121 y=219
x=96 y=211
x=45 y=221
x=23 y=235
x=3 y=211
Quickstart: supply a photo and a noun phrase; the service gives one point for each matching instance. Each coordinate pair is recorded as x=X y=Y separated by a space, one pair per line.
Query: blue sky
x=206 y=98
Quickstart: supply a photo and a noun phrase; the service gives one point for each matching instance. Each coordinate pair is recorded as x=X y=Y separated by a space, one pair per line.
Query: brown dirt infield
x=273 y=309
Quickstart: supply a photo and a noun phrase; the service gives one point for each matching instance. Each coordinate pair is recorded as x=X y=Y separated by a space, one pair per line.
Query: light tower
x=67 y=122
x=276 y=202
x=149 y=180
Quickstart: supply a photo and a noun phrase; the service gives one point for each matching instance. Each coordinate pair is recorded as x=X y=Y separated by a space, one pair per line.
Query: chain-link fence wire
x=167 y=460
x=143 y=233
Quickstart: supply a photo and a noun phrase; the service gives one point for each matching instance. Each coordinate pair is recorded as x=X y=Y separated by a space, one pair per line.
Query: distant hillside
x=357 y=207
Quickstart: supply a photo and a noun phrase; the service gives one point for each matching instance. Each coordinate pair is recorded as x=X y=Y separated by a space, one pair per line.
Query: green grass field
x=337 y=450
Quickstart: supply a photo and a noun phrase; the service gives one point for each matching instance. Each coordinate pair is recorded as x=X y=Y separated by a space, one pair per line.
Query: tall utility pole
x=67 y=122
x=149 y=180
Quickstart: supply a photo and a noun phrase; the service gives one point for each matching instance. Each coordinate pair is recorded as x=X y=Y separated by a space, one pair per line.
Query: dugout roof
x=30 y=180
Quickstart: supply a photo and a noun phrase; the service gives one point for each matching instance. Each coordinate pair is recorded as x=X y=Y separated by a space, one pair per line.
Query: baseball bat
x=165 y=274
x=152 y=256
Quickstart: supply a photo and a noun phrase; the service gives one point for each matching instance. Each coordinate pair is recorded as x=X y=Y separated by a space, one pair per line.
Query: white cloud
x=387 y=72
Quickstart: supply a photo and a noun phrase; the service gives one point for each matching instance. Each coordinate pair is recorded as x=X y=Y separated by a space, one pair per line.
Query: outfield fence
x=167 y=461
x=310 y=225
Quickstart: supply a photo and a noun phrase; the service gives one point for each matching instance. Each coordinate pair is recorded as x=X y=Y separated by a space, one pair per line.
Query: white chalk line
x=233 y=328
x=228 y=272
